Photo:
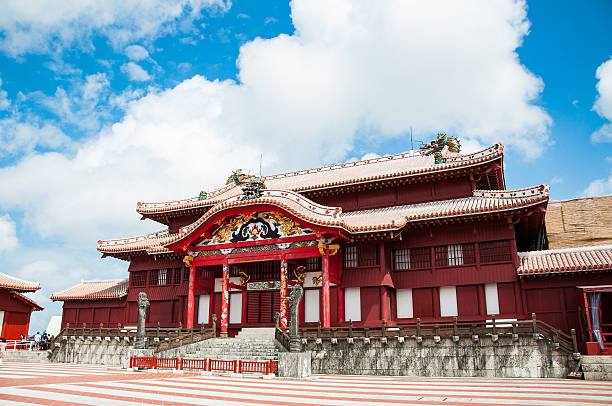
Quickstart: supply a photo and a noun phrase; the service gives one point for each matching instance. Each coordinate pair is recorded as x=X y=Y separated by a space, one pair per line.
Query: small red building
x=15 y=308
x=395 y=238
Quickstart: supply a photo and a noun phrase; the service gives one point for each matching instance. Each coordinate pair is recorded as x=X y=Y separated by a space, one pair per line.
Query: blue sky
x=104 y=104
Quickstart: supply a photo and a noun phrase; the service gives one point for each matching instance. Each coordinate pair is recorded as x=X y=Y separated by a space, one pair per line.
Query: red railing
x=262 y=367
x=167 y=363
x=194 y=364
x=143 y=362
x=221 y=365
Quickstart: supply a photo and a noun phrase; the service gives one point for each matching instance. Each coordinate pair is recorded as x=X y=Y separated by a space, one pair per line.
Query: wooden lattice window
x=351 y=257
x=495 y=251
x=412 y=258
x=441 y=255
x=401 y=258
x=185 y=274
x=139 y=278
x=420 y=258
x=154 y=277
x=162 y=277
x=177 y=276
x=313 y=264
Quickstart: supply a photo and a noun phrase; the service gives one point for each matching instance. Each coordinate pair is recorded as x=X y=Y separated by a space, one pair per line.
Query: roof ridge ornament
x=252 y=186
x=441 y=146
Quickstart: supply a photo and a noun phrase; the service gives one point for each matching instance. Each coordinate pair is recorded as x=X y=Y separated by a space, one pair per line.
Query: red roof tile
x=376 y=169
x=21 y=285
x=106 y=289
x=565 y=260
x=389 y=218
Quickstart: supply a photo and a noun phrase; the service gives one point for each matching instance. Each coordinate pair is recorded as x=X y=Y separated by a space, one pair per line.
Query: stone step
x=598 y=376
x=260 y=332
x=596 y=359
x=26 y=356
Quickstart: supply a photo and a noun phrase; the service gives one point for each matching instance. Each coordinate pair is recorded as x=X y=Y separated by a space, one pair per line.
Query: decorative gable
x=258 y=226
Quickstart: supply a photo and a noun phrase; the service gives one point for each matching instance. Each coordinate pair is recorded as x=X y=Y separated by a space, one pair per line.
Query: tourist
x=37 y=340
x=2 y=349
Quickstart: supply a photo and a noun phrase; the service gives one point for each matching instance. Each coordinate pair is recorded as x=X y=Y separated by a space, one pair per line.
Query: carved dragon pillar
x=283 y=291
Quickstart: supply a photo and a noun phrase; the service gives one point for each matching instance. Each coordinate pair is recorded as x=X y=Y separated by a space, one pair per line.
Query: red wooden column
x=384 y=304
x=283 y=290
x=340 y=297
x=225 y=300
x=325 y=289
x=190 y=296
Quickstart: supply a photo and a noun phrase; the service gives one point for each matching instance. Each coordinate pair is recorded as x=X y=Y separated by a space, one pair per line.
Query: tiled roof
x=387 y=167
x=29 y=301
x=391 y=218
x=565 y=260
x=10 y=282
x=106 y=289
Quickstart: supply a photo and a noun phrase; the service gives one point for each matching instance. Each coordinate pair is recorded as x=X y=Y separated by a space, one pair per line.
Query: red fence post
x=154 y=362
x=234 y=366
x=177 y=363
x=131 y=360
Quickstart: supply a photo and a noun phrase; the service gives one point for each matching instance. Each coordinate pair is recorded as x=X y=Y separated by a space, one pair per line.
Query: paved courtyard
x=67 y=384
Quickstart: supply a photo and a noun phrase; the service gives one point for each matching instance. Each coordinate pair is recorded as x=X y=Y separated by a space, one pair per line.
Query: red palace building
x=429 y=234
x=15 y=308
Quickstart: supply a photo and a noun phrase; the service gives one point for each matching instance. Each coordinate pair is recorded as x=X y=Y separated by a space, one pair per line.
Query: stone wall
x=579 y=222
x=85 y=351
x=527 y=357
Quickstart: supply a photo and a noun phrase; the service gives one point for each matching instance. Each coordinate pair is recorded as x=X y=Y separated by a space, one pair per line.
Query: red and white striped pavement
x=69 y=384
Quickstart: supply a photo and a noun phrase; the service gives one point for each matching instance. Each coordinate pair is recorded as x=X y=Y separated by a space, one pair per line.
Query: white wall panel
x=491 y=298
x=448 y=301
x=235 y=312
x=311 y=305
x=403 y=299
x=203 y=309
x=352 y=304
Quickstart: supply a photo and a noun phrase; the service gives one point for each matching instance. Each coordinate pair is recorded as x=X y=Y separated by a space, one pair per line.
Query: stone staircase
x=248 y=345
x=597 y=367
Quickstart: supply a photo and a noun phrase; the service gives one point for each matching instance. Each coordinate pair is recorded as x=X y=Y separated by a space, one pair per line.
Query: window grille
x=495 y=251
x=367 y=255
x=258 y=271
x=186 y=274
x=441 y=256
x=412 y=258
x=313 y=264
x=139 y=278
x=402 y=259
x=420 y=258
x=177 y=276
x=161 y=277
x=455 y=255
x=154 y=277
x=350 y=257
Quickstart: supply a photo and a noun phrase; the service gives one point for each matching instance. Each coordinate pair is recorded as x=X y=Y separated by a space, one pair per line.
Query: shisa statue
x=293 y=300
x=143 y=303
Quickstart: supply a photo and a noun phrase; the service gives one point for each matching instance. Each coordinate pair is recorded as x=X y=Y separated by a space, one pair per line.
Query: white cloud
x=83 y=105
x=18 y=137
x=8 y=234
x=47 y=26
x=136 y=52
x=556 y=179
x=599 y=187
x=135 y=72
x=300 y=101
x=5 y=103
x=603 y=103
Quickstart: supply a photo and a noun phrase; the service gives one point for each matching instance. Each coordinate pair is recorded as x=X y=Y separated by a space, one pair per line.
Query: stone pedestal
x=135 y=352
x=294 y=364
